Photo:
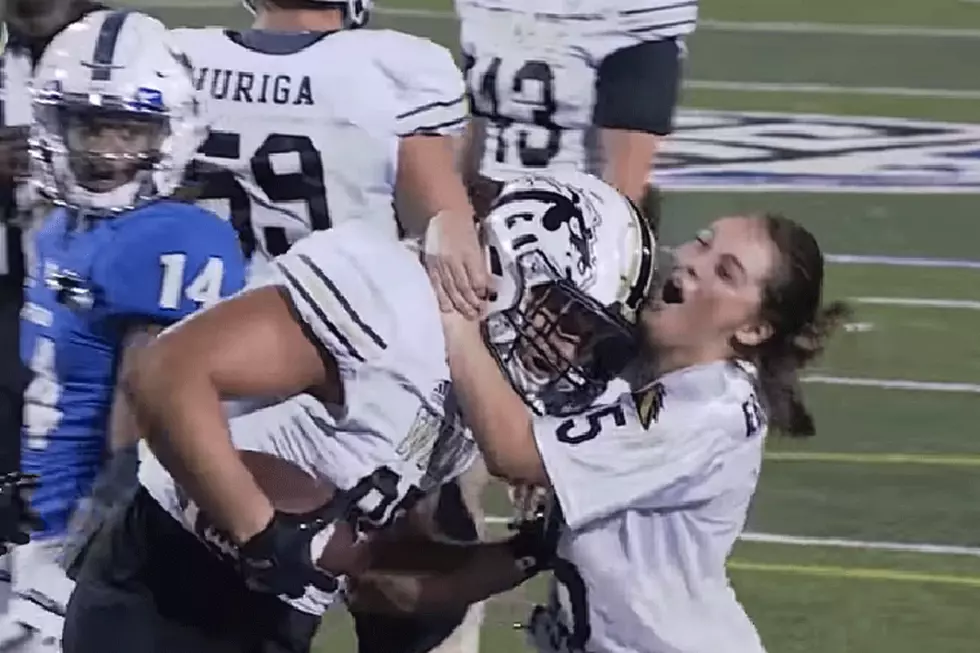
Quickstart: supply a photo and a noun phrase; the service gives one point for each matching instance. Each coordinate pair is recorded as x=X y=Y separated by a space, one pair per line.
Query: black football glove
x=17 y=520
x=535 y=541
x=280 y=558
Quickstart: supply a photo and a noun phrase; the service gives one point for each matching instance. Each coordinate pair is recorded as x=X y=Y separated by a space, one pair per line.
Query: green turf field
x=891 y=466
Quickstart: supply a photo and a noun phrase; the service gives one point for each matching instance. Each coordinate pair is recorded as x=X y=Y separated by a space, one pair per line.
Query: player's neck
x=299 y=20
x=671 y=360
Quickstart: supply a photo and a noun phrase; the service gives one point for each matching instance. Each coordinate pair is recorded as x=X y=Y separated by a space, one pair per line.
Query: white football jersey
x=531 y=72
x=310 y=138
x=654 y=491
x=367 y=301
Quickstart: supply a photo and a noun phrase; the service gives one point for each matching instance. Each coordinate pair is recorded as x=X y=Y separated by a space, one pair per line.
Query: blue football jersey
x=92 y=281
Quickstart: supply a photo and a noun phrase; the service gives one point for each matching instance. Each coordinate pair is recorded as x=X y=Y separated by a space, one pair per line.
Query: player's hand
x=456 y=264
x=535 y=543
x=528 y=501
x=14 y=153
x=17 y=520
x=281 y=558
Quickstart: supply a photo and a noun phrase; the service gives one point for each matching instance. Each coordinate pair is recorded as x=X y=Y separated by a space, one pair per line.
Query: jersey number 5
x=573 y=431
x=204 y=289
x=307 y=185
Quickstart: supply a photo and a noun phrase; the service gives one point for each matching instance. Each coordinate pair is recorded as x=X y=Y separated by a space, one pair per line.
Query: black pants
x=148 y=586
x=420 y=633
x=13 y=379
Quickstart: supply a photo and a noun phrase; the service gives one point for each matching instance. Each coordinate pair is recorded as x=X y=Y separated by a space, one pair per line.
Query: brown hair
x=791 y=304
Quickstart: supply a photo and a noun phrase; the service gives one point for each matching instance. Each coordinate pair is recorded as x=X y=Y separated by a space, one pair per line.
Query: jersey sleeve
x=637 y=87
x=605 y=461
x=169 y=260
x=363 y=298
x=430 y=91
x=334 y=293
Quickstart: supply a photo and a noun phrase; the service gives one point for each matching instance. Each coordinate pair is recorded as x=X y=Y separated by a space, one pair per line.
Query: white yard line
x=894 y=384
x=903 y=261
x=833 y=89
x=766 y=27
x=833 y=542
x=834 y=29
x=918 y=302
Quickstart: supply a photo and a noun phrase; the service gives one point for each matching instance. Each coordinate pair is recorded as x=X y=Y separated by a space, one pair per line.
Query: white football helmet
x=572 y=260
x=356 y=12
x=117 y=120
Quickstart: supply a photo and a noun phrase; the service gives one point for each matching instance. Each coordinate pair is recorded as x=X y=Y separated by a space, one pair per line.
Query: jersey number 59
x=306 y=186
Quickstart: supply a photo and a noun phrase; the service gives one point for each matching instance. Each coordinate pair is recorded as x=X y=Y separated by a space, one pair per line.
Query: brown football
x=292 y=490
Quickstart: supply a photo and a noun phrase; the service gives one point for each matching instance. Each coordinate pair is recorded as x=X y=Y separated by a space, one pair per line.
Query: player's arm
x=123 y=431
x=431 y=117
x=430 y=194
x=411 y=572
x=481 y=571
x=499 y=419
x=636 y=91
x=250 y=345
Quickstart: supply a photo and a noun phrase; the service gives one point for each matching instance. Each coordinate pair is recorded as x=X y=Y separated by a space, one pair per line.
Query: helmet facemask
x=99 y=155
x=107 y=150
x=558 y=346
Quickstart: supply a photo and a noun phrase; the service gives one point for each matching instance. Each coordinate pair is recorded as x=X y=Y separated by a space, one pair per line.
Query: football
x=293 y=491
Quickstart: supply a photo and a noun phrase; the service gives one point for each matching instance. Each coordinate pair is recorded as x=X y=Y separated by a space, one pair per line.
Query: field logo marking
x=728 y=150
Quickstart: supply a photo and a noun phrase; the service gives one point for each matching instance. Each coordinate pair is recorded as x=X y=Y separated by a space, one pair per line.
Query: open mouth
x=672 y=292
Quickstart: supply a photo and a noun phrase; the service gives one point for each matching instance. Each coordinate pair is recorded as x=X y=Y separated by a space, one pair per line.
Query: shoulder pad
x=430 y=87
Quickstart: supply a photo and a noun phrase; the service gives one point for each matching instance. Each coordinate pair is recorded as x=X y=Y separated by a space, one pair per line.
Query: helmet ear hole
x=496 y=268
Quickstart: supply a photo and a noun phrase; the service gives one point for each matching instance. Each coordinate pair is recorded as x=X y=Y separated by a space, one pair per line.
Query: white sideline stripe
x=835 y=542
x=760 y=26
x=780 y=87
x=918 y=302
x=894 y=384
x=903 y=261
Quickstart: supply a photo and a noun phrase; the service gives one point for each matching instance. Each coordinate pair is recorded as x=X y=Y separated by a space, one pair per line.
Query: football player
x=28 y=27
x=651 y=488
x=313 y=120
x=584 y=85
x=350 y=330
x=117 y=122
x=587 y=87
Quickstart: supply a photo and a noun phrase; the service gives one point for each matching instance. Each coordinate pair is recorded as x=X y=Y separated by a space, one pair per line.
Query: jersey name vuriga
x=307 y=137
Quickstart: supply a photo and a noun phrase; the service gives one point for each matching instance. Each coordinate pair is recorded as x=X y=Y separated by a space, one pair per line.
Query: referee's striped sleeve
x=431 y=92
x=332 y=303
x=651 y=20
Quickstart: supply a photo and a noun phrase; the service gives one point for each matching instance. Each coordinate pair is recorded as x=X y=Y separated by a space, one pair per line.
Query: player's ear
x=752 y=334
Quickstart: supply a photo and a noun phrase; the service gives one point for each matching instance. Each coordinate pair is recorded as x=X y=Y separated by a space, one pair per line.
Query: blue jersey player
x=120 y=259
